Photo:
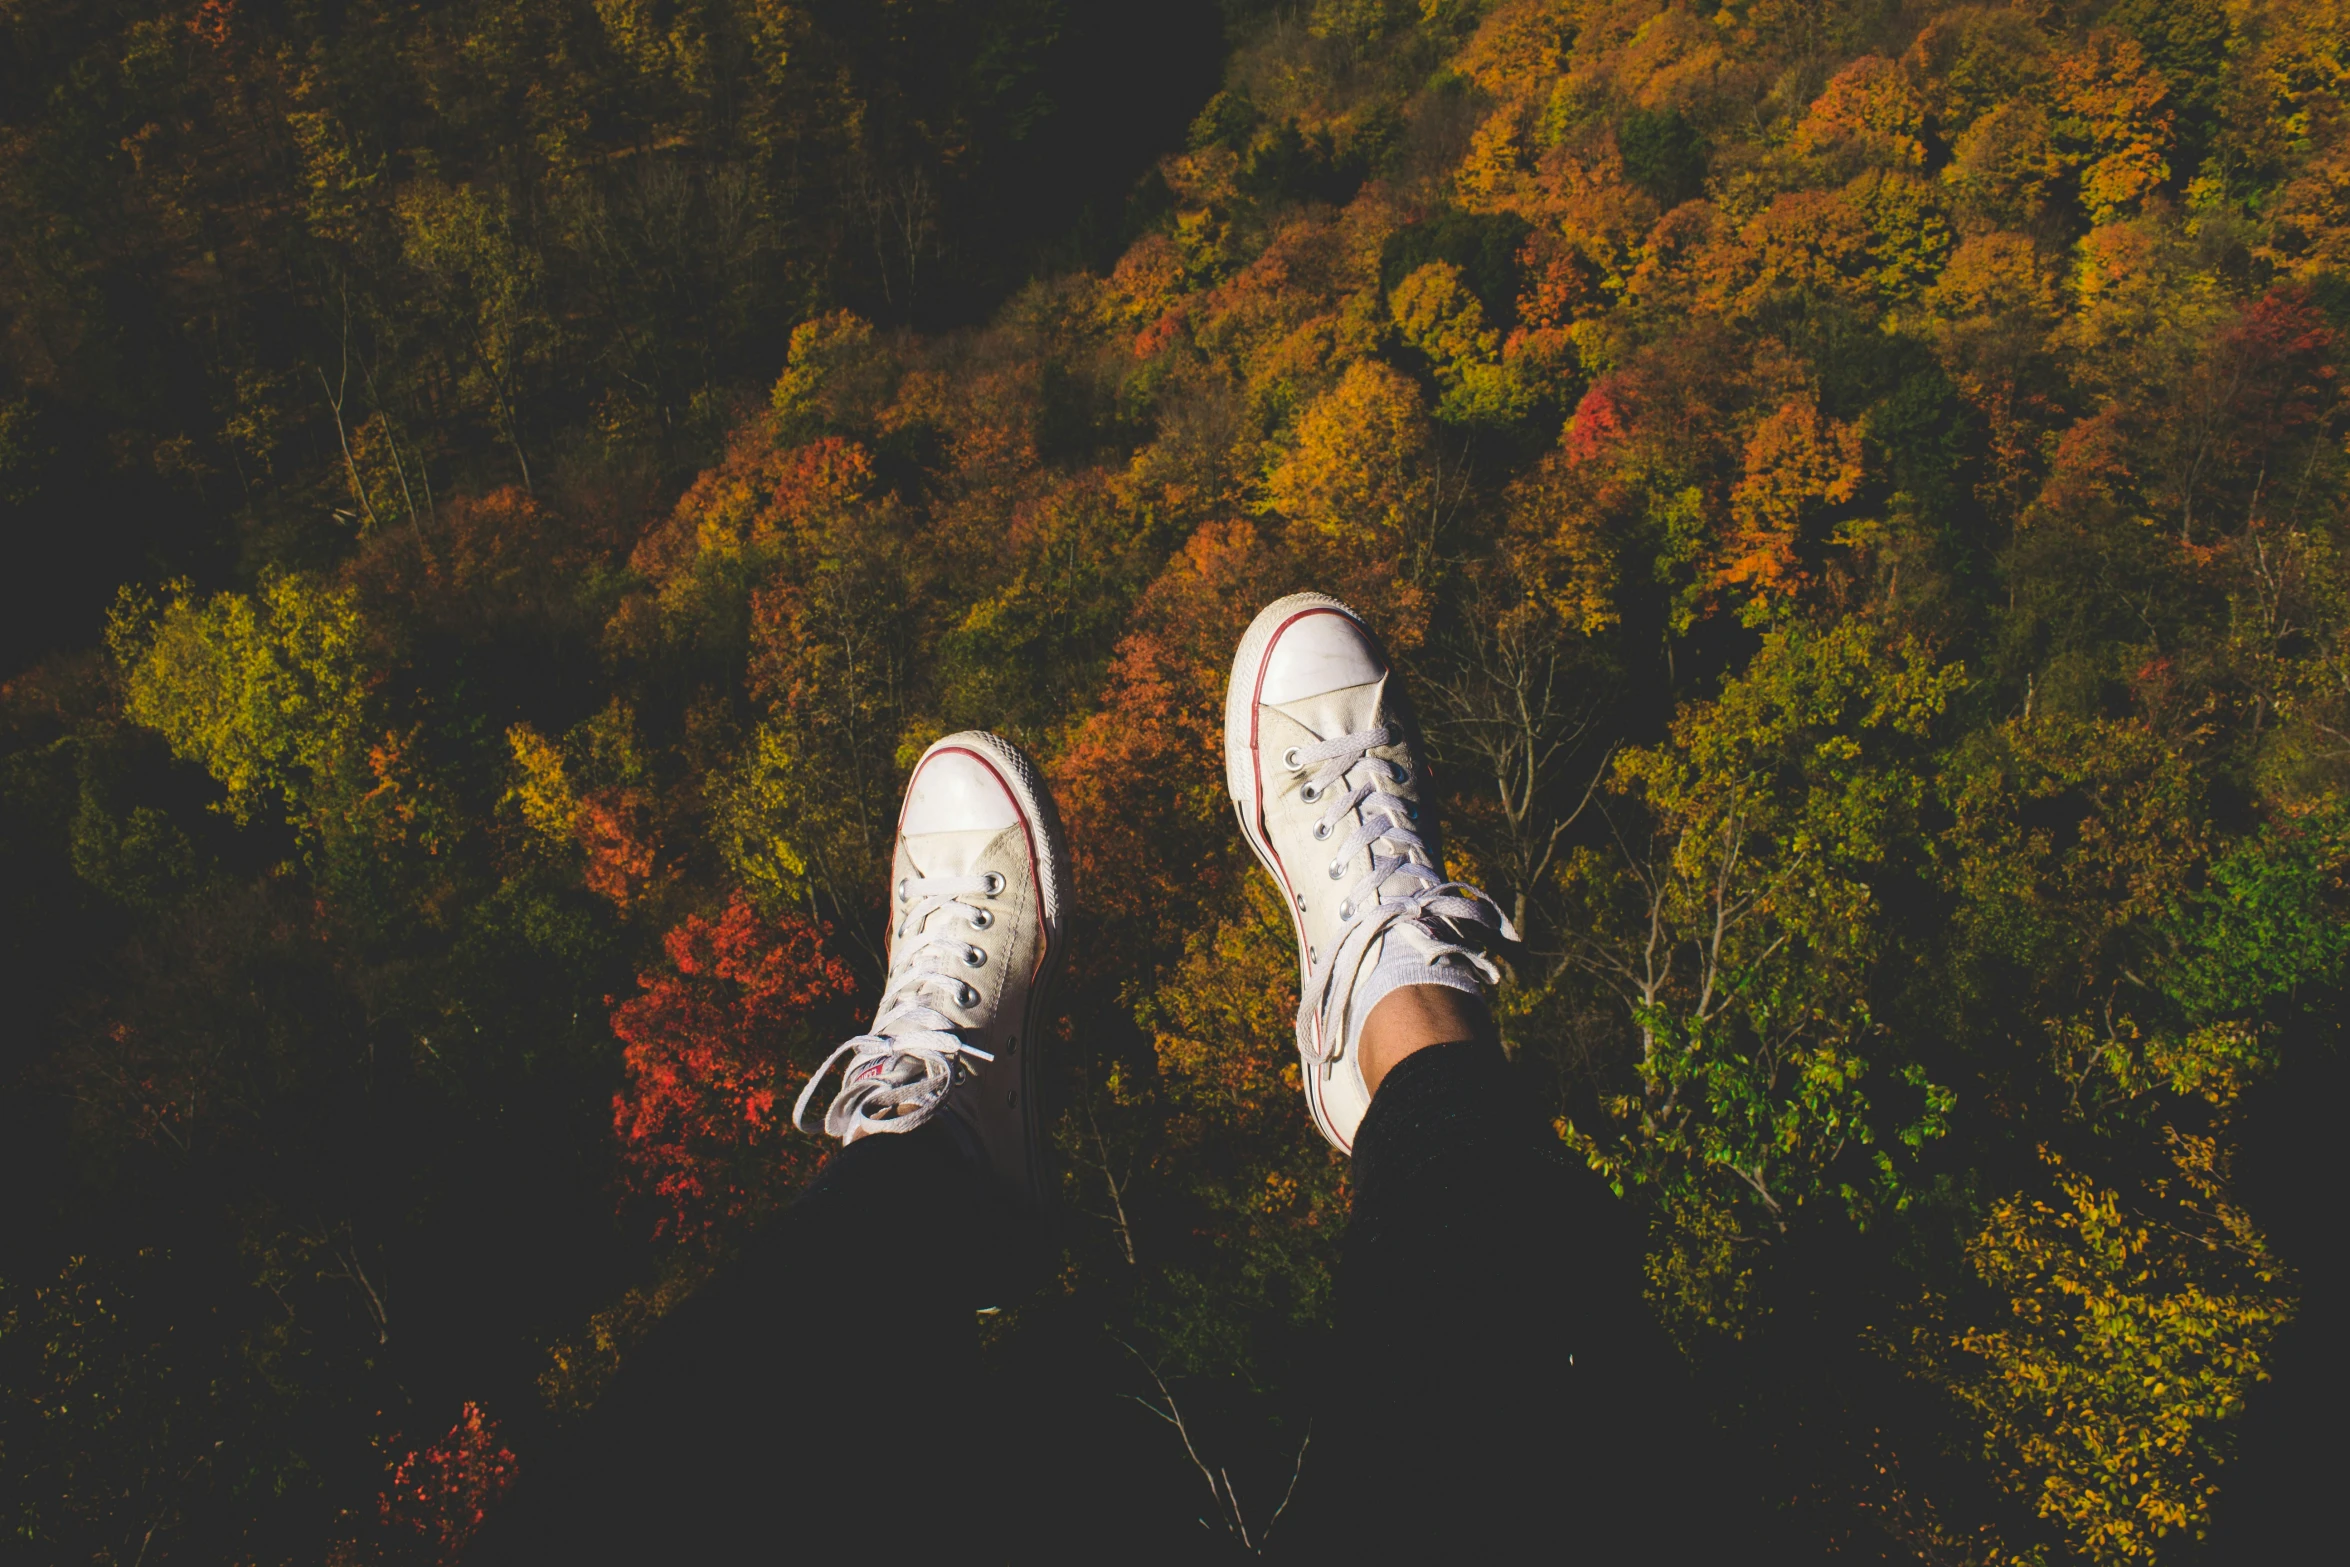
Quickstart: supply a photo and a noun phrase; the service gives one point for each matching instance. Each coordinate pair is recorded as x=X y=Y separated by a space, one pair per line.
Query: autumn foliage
x=440 y=1495
x=1858 y=494
x=709 y=1048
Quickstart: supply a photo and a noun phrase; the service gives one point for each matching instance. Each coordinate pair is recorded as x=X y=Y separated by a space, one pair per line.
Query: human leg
x=1496 y=1376
x=820 y=1390
x=1495 y=1366
x=758 y=1413
x=1417 y=1018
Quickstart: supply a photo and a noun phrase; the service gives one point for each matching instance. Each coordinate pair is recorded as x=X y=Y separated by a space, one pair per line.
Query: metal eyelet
x=901 y=889
x=1290 y=761
x=981 y=919
x=1321 y=831
x=968 y=997
x=1337 y=869
x=973 y=957
x=1346 y=911
x=1310 y=793
x=1403 y=774
x=995 y=884
x=1411 y=813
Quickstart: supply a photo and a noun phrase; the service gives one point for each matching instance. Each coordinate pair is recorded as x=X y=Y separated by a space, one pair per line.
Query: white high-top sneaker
x=979 y=894
x=1324 y=766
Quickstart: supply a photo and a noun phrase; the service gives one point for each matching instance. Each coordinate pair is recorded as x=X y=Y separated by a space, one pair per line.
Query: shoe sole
x=1240 y=777
x=1048 y=855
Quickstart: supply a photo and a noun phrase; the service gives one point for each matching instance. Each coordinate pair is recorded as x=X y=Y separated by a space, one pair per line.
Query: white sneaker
x=979 y=893
x=1324 y=767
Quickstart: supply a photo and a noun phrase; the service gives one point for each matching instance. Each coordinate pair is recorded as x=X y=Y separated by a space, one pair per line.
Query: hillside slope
x=1859 y=494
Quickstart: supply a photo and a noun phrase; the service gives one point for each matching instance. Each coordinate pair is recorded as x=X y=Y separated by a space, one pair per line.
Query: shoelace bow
x=1389 y=822
x=900 y=1071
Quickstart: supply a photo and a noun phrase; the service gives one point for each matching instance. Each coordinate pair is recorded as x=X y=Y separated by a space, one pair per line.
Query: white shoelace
x=900 y=1072
x=1367 y=913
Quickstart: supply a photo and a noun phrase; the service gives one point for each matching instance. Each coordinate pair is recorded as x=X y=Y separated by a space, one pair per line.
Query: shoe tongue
x=1407 y=940
x=963 y=853
x=894 y=1070
x=1345 y=711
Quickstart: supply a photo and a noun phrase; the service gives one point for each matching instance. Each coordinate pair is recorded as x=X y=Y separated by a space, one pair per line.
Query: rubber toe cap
x=955 y=791
x=1320 y=651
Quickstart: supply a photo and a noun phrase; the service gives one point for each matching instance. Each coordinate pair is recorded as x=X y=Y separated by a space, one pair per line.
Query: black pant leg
x=1499 y=1390
x=811 y=1397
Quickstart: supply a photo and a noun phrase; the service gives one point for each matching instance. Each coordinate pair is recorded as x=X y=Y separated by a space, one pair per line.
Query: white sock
x=1400 y=962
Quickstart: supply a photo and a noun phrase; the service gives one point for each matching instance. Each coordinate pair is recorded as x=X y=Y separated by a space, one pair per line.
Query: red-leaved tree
x=438 y=1497
x=713 y=1047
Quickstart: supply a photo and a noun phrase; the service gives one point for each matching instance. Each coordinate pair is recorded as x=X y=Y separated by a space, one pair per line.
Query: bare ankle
x=1413 y=1017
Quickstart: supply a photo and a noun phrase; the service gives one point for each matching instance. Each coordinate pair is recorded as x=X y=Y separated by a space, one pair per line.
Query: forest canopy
x=1858 y=489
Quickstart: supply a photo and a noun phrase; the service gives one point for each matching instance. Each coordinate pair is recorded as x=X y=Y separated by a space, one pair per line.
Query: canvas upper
x=979 y=895
x=1326 y=772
